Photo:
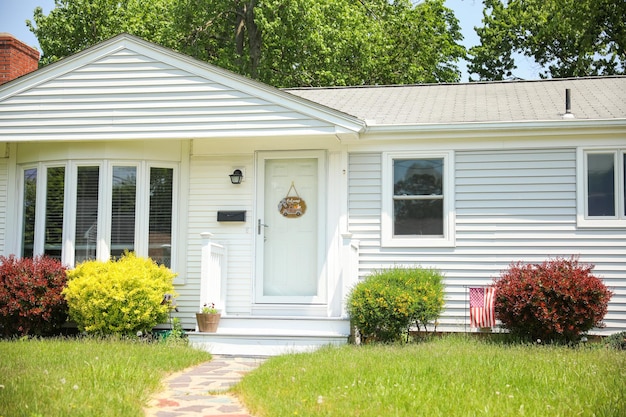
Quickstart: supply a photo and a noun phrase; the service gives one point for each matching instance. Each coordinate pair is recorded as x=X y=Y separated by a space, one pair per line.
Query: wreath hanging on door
x=292 y=206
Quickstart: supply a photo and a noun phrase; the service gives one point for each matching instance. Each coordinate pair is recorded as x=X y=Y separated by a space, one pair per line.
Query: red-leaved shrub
x=557 y=300
x=31 y=302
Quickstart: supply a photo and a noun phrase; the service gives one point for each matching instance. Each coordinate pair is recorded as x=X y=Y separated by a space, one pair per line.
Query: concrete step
x=270 y=336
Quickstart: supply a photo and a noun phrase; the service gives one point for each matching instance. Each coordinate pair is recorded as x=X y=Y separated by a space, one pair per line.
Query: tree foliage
x=284 y=43
x=567 y=38
x=74 y=25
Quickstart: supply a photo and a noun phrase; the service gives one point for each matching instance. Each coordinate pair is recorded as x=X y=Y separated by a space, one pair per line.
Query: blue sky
x=14 y=13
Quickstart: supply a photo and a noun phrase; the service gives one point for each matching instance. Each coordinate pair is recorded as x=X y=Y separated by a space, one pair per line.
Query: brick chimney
x=16 y=58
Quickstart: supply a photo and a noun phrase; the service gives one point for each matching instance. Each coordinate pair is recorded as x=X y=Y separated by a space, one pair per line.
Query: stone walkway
x=200 y=391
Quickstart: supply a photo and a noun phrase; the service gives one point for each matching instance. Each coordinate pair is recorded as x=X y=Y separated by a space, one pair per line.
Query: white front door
x=289 y=228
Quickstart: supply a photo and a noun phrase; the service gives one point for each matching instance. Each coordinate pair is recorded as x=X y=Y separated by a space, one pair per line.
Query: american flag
x=482 y=312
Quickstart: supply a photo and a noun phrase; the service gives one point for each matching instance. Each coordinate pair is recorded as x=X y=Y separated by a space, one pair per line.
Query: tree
x=284 y=43
x=568 y=38
x=74 y=25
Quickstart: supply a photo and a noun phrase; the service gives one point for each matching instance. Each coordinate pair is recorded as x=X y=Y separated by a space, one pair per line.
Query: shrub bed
x=118 y=297
x=387 y=303
x=556 y=300
x=31 y=302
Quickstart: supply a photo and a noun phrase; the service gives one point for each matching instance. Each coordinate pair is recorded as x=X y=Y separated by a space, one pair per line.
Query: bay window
x=86 y=223
x=29 y=206
x=77 y=211
x=123 y=206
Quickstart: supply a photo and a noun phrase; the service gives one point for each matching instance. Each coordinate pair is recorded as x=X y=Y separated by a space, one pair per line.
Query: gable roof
x=598 y=98
x=127 y=88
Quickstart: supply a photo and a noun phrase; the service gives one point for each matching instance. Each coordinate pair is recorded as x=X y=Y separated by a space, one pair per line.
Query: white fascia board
x=493 y=129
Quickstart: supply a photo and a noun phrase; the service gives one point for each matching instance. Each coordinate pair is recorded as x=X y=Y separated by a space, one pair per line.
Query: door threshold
x=290 y=310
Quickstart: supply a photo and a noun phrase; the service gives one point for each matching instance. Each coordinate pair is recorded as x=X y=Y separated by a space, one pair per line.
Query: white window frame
x=583 y=220
x=387 y=237
x=104 y=206
x=71 y=189
x=145 y=196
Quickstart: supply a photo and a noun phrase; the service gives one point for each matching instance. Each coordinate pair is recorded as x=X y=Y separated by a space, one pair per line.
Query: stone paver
x=201 y=390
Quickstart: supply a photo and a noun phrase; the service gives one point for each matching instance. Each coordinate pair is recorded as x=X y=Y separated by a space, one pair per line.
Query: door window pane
x=88 y=181
x=28 y=214
x=600 y=184
x=160 y=219
x=124 y=198
x=55 y=196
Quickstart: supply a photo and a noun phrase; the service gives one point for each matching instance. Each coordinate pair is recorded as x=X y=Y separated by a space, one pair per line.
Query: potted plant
x=208 y=318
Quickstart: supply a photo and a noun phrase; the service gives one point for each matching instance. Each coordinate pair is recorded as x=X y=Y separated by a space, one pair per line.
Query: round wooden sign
x=292 y=207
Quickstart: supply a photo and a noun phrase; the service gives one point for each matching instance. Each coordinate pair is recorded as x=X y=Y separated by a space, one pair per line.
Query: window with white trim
x=417 y=208
x=76 y=211
x=602 y=187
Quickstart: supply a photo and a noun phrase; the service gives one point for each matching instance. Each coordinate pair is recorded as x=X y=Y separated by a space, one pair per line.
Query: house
x=128 y=145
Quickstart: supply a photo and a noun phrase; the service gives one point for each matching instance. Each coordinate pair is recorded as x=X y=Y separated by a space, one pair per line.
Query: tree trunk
x=254 y=40
x=245 y=24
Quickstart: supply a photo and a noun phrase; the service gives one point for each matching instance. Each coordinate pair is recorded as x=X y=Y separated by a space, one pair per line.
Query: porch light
x=236 y=176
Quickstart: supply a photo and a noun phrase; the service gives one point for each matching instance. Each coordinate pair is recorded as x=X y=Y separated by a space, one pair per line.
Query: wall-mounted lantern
x=236 y=176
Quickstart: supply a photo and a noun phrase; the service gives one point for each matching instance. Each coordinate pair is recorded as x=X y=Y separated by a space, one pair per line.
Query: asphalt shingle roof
x=508 y=101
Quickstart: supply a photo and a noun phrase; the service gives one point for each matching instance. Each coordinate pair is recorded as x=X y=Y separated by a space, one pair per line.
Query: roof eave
x=488 y=129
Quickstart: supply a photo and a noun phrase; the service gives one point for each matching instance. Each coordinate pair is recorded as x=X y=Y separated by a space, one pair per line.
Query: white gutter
x=490 y=129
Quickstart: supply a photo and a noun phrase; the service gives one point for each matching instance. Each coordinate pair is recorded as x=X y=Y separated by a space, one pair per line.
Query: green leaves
x=567 y=38
x=284 y=43
x=74 y=25
x=384 y=305
x=118 y=297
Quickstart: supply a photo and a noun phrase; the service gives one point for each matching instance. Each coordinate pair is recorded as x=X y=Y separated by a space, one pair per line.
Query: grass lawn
x=452 y=376
x=85 y=377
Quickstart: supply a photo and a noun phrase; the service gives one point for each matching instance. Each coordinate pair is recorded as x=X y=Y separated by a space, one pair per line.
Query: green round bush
x=616 y=341
x=118 y=297
x=387 y=303
x=555 y=301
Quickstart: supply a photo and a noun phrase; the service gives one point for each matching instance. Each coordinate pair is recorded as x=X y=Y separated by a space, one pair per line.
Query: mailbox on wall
x=231 y=216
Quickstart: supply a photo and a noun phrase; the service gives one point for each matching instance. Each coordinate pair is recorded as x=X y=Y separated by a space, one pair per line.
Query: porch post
x=212 y=273
x=350 y=268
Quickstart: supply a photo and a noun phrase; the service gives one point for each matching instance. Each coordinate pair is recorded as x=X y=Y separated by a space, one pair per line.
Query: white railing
x=213 y=273
x=350 y=269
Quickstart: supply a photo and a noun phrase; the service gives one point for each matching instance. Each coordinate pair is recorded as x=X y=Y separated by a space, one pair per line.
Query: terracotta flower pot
x=207 y=323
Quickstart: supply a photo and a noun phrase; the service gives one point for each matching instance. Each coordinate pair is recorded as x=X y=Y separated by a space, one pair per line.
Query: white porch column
x=213 y=273
x=350 y=268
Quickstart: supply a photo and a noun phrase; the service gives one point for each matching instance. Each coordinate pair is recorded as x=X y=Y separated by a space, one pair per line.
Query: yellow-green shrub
x=118 y=297
x=388 y=302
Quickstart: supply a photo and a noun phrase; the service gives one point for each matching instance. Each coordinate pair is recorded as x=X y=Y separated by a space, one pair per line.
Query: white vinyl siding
x=210 y=191
x=131 y=95
x=511 y=205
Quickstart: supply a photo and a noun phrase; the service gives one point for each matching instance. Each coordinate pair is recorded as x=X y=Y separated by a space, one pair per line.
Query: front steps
x=271 y=336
